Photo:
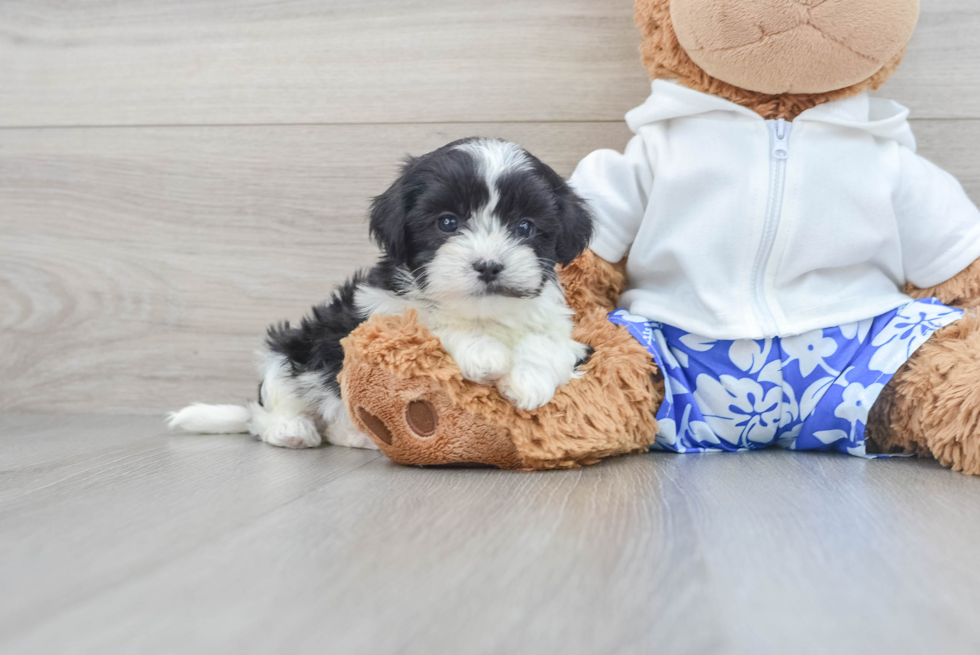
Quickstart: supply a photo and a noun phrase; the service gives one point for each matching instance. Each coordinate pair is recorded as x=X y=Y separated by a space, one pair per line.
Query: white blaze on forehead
x=485 y=237
x=495 y=159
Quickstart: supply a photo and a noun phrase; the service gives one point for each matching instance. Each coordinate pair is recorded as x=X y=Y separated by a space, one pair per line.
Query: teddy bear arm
x=591 y=282
x=403 y=390
x=961 y=290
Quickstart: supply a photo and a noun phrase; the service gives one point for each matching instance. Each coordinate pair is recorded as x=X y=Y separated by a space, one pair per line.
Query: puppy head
x=480 y=218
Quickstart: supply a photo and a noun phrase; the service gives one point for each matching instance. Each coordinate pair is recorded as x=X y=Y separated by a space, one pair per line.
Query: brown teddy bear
x=794 y=74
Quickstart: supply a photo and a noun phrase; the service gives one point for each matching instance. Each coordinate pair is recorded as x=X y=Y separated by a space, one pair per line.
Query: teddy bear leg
x=403 y=390
x=932 y=405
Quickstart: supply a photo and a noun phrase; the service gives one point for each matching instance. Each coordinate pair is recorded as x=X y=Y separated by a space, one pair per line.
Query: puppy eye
x=448 y=223
x=525 y=229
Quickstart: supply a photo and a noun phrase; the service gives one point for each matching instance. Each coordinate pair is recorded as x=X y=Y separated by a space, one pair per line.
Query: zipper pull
x=780 y=138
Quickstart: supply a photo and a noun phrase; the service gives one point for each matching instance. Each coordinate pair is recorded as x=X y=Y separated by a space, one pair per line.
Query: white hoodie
x=741 y=228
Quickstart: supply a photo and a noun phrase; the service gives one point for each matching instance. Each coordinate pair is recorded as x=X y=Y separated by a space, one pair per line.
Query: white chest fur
x=523 y=345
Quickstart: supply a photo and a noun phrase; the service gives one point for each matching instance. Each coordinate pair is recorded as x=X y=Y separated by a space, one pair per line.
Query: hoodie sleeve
x=938 y=224
x=617 y=187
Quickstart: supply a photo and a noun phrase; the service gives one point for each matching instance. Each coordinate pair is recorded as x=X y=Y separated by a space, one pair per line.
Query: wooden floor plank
x=940 y=76
x=146 y=62
x=304 y=61
x=767 y=552
x=88 y=503
x=139 y=267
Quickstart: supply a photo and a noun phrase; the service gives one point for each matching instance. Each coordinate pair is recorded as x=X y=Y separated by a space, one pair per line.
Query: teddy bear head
x=777 y=57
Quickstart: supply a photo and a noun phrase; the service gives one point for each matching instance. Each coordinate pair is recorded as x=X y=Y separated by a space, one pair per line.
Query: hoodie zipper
x=779 y=133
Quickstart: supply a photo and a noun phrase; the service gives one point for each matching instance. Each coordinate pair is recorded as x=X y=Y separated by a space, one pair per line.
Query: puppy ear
x=576 y=224
x=388 y=213
x=576 y=230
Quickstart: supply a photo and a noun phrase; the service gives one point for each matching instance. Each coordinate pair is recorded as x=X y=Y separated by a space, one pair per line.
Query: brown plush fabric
x=793 y=46
x=402 y=388
x=932 y=406
x=393 y=362
x=665 y=58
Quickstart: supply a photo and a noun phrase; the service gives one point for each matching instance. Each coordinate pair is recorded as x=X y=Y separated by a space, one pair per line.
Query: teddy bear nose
x=489 y=271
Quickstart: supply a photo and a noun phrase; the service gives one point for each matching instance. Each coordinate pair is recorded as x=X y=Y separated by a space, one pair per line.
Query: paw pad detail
x=422 y=417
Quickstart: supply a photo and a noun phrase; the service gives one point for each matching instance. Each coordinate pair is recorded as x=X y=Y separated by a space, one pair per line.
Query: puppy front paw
x=484 y=363
x=582 y=354
x=528 y=387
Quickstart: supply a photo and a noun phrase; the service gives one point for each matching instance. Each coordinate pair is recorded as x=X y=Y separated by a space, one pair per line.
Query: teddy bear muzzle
x=793 y=46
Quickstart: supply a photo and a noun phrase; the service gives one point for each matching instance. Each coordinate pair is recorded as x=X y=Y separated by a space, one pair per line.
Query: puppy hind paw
x=295 y=432
x=344 y=433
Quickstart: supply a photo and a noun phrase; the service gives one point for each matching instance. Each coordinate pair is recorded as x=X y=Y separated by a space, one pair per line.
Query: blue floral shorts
x=808 y=392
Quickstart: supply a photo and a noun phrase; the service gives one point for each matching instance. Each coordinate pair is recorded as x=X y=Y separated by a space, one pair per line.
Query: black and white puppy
x=470 y=235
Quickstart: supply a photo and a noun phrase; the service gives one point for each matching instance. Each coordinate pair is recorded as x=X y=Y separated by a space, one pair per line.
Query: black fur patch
x=403 y=218
x=314 y=346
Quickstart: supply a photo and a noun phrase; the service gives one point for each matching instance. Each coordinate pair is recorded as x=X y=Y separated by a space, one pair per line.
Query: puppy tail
x=211 y=419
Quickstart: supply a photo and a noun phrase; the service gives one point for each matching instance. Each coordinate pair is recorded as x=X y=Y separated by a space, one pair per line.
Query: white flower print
x=682 y=358
x=772 y=373
x=742 y=410
x=750 y=355
x=700 y=344
x=692 y=342
x=809 y=391
x=909 y=329
x=858 y=330
x=788 y=439
x=667 y=354
x=624 y=315
x=830 y=436
x=692 y=432
x=857 y=402
x=791 y=409
x=701 y=432
x=677 y=385
x=666 y=433
x=812 y=396
x=810 y=349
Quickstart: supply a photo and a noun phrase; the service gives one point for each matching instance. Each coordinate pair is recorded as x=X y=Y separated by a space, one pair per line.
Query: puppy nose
x=488 y=270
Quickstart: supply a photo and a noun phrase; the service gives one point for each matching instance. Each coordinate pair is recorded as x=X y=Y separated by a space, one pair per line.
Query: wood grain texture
x=139 y=267
x=120 y=498
x=120 y=539
x=940 y=77
x=309 y=61
x=146 y=62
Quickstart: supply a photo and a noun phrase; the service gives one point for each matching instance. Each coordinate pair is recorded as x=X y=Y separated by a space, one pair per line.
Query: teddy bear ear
x=388 y=214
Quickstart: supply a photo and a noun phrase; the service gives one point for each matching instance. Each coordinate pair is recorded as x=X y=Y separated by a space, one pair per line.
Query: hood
x=881 y=118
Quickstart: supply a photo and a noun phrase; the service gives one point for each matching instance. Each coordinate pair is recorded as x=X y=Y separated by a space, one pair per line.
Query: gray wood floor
x=175 y=175
x=116 y=537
